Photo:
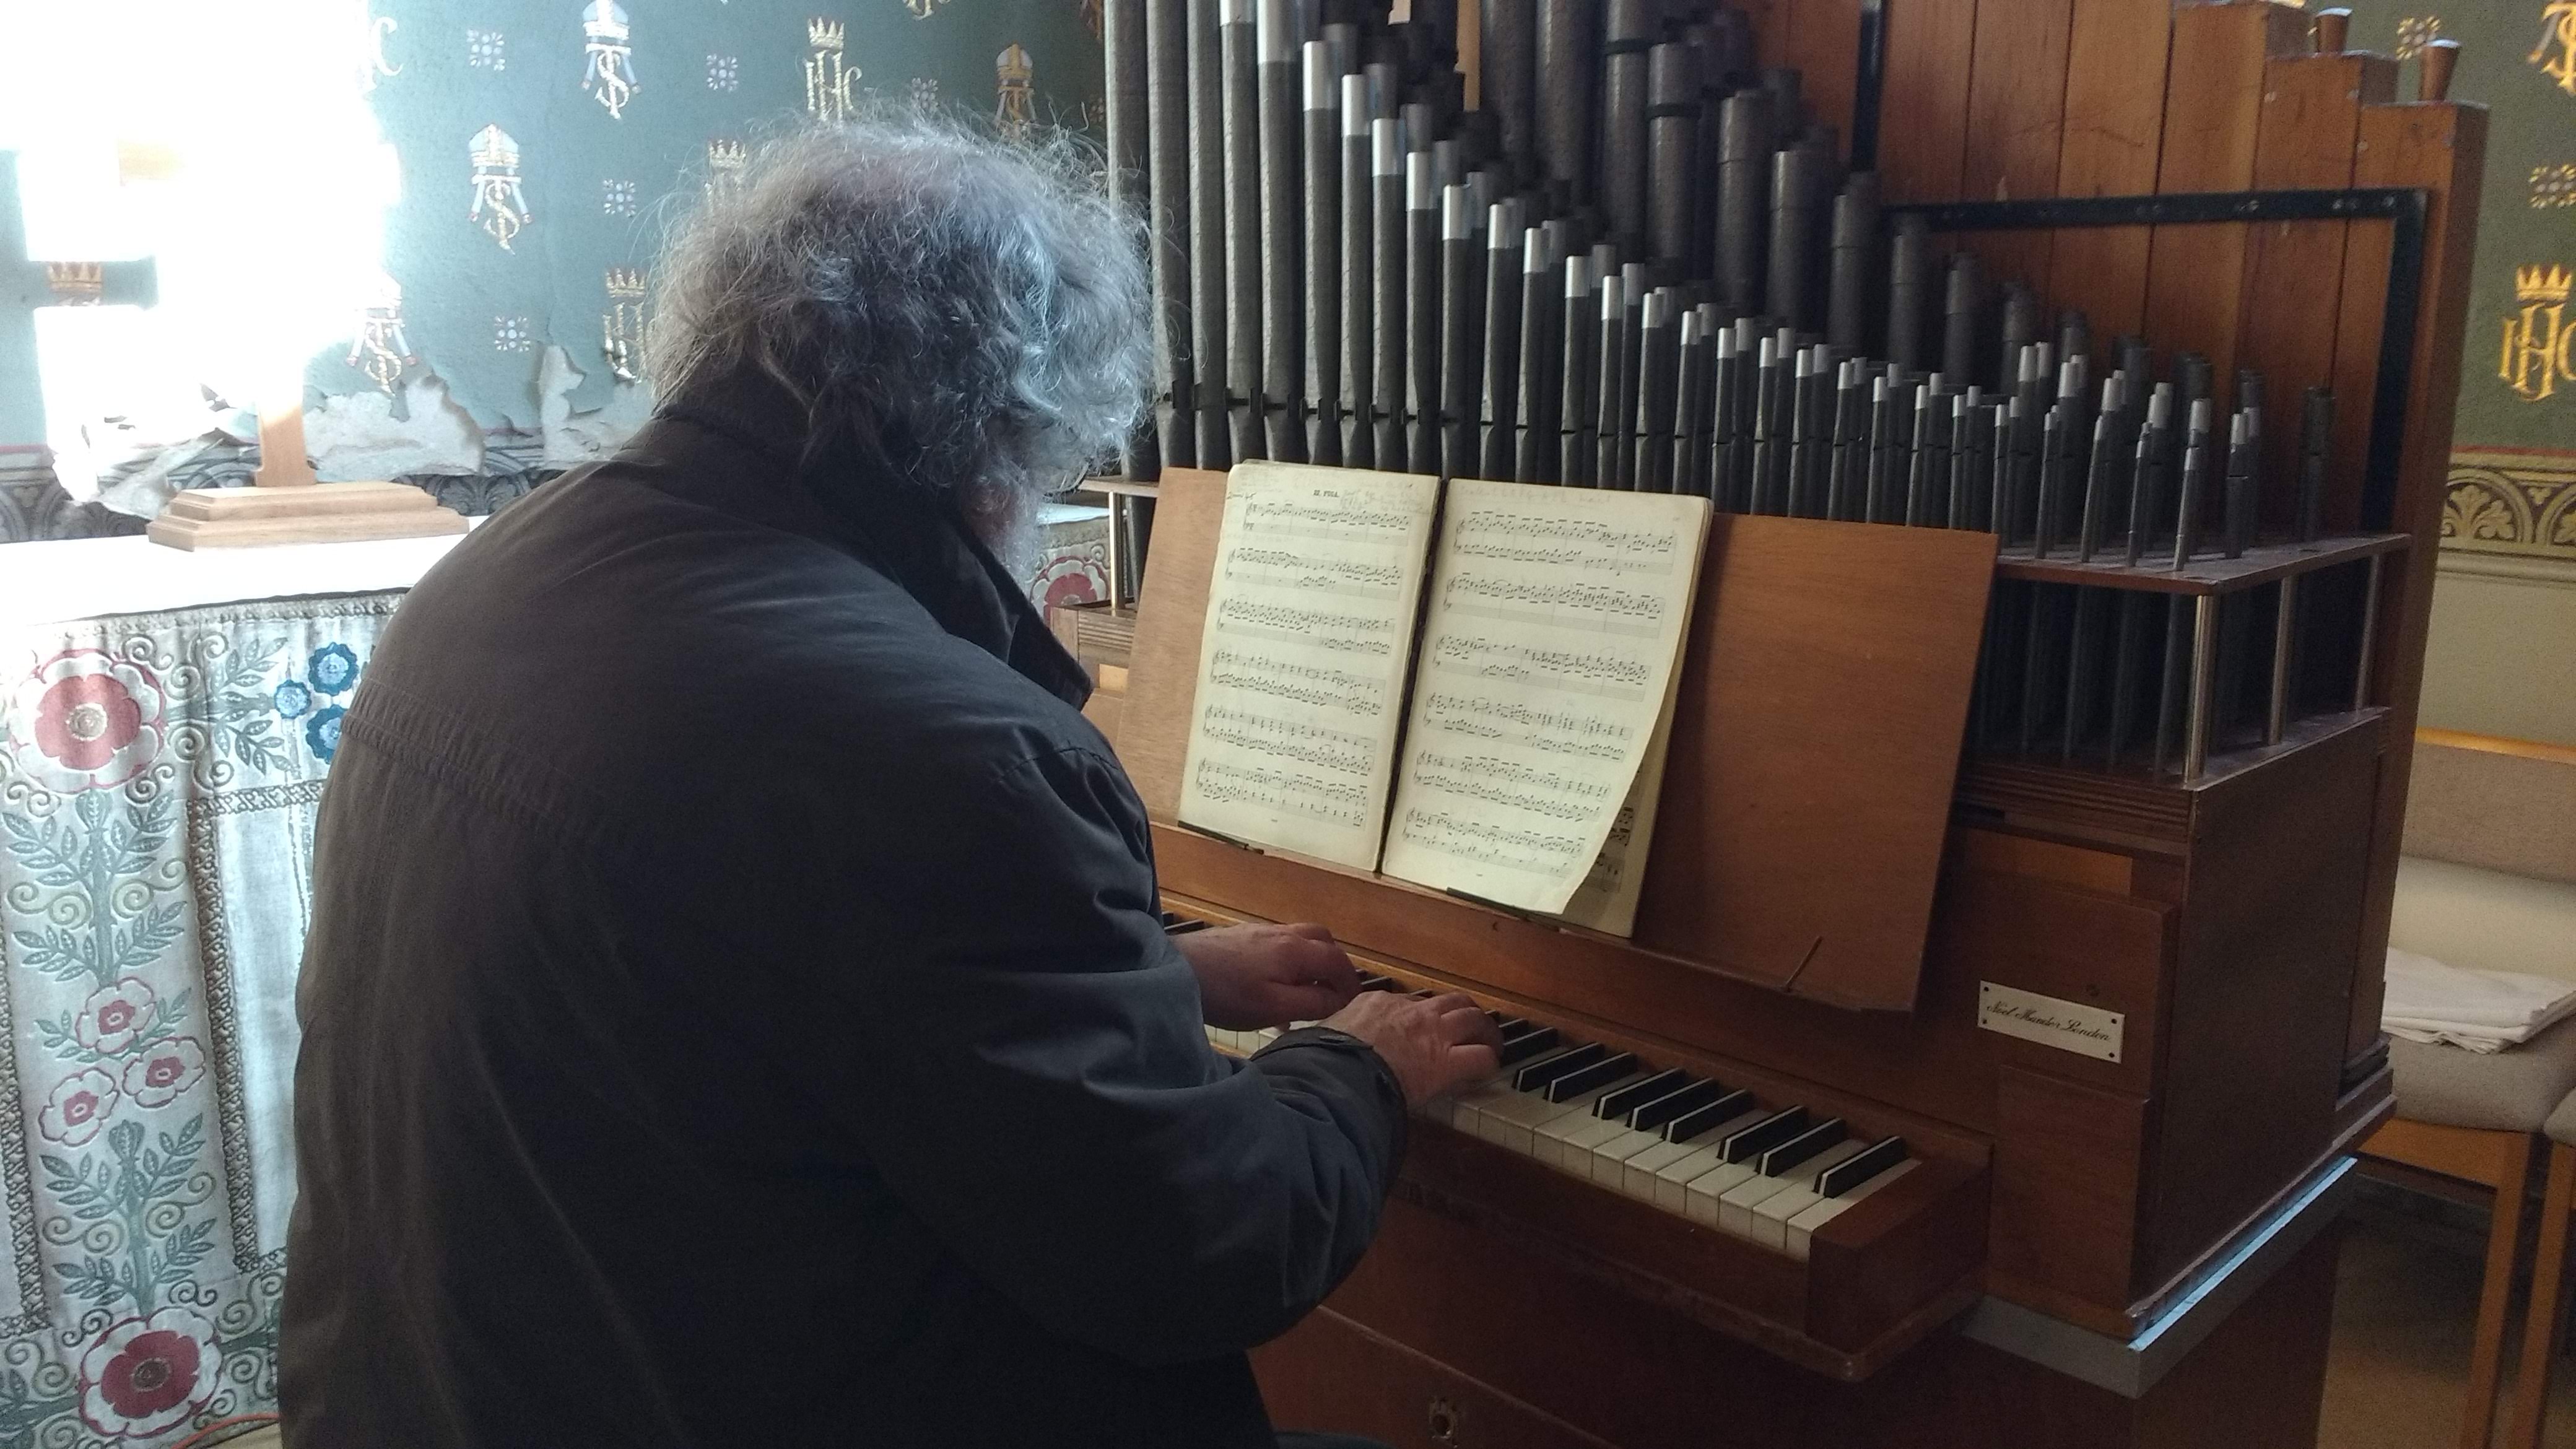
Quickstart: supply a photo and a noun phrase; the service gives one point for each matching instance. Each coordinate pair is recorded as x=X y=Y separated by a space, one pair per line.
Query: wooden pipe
x=2333 y=29
x=2433 y=83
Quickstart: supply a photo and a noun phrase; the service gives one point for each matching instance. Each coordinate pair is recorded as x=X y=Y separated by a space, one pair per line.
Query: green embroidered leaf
x=94 y=1278
x=184 y=1249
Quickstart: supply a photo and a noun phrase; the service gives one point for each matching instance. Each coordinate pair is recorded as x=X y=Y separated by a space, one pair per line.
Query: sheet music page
x=1303 y=661
x=1607 y=899
x=1555 y=625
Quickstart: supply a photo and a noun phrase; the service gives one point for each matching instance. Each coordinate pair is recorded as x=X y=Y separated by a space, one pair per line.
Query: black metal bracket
x=2405 y=208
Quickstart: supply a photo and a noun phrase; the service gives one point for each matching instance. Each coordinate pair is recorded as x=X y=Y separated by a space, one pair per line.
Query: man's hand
x=1433 y=1043
x=1251 y=977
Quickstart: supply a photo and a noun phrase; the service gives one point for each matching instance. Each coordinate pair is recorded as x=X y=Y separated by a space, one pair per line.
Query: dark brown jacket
x=735 y=1010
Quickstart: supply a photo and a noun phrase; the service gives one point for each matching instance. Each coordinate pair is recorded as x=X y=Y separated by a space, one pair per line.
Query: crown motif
x=727 y=155
x=626 y=283
x=494 y=150
x=76 y=284
x=823 y=34
x=604 y=20
x=2531 y=284
x=1014 y=65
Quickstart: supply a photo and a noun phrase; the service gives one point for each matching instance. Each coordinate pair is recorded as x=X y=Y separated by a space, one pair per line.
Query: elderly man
x=735 y=1010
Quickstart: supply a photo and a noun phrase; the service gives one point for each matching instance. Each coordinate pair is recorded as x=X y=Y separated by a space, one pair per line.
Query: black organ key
x=1371 y=981
x=1608 y=1070
x=1528 y=1044
x=1852 y=1171
x=1766 y=1134
x=1786 y=1155
x=1697 y=1120
x=1654 y=1112
x=1539 y=1073
x=1629 y=1098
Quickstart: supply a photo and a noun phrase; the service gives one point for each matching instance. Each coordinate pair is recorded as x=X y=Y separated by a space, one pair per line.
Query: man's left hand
x=1251 y=977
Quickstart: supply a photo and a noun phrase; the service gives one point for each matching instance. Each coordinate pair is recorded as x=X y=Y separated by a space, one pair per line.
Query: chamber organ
x=2003 y=1000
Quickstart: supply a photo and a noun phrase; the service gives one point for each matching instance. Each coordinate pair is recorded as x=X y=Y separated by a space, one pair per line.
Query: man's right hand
x=1432 y=1044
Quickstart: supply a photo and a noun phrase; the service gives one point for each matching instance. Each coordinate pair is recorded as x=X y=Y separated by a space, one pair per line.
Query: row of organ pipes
x=1642 y=263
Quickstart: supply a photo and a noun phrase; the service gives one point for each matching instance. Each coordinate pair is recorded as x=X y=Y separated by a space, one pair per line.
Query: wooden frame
x=2501 y=1163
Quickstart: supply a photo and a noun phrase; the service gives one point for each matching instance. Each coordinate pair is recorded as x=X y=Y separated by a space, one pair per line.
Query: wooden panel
x=2213 y=117
x=2016 y=116
x=1824 y=44
x=2066 y=1191
x=1633 y=1373
x=2442 y=147
x=1163 y=679
x=2102 y=951
x=2115 y=109
x=1923 y=105
x=1814 y=741
x=2294 y=270
x=2074 y=865
x=2254 y=1056
x=1332 y=1374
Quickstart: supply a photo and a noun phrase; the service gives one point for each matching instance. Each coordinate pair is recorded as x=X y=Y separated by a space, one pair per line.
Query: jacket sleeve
x=1036 y=1082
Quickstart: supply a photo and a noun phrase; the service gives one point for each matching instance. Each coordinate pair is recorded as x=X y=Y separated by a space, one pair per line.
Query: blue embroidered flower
x=293 y=699
x=322 y=732
x=334 y=668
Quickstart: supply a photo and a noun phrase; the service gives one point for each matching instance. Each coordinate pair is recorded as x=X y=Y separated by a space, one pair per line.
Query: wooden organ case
x=1856 y=877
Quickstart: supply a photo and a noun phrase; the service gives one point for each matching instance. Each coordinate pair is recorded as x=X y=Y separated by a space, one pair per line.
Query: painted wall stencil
x=2556 y=52
x=381 y=351
x=500 y=205
x=2539 y=346
x=1015 y=106
x=725 y=160
x=608 y=59
x=827 y=78
x=621 y=327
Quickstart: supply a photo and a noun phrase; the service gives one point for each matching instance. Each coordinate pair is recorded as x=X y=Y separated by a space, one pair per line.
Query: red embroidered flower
x=112 y=1015
x=85 y=720
x=79 y=1105
x=157 y=1077
x=145 y=1375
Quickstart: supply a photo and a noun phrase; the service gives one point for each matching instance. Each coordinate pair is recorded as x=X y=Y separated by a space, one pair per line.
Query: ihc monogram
x=2539 y=346
x=2556 y=52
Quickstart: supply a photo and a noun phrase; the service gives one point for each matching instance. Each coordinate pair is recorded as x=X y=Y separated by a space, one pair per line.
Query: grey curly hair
x=970 y=316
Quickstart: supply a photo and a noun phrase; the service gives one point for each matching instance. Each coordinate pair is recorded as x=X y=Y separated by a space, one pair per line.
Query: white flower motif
x=78 y=1106
x=487 y=50
x=510 y=334
x=724 y=72
x=159 y=1075
x=85 y=720
x=145 y=1375
x=113 y=1015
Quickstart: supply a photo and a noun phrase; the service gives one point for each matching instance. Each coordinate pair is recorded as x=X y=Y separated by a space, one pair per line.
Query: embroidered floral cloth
x=158 y=778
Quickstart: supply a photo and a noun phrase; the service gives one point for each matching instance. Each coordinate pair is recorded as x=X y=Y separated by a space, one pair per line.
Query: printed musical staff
x=1304 y=657
x=1547 y=663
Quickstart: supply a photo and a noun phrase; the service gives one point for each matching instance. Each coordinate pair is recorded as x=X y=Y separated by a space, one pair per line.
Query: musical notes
x=1304 y=657
x=1547 y=667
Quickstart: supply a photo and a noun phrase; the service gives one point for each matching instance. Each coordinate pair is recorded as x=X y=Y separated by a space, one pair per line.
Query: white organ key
x=1766 y=1221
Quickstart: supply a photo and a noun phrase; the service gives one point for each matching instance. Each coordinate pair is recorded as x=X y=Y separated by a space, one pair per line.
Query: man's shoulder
x=647 y=654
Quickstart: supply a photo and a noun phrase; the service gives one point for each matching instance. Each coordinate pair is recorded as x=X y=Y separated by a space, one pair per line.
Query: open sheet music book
x=1539 y=693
